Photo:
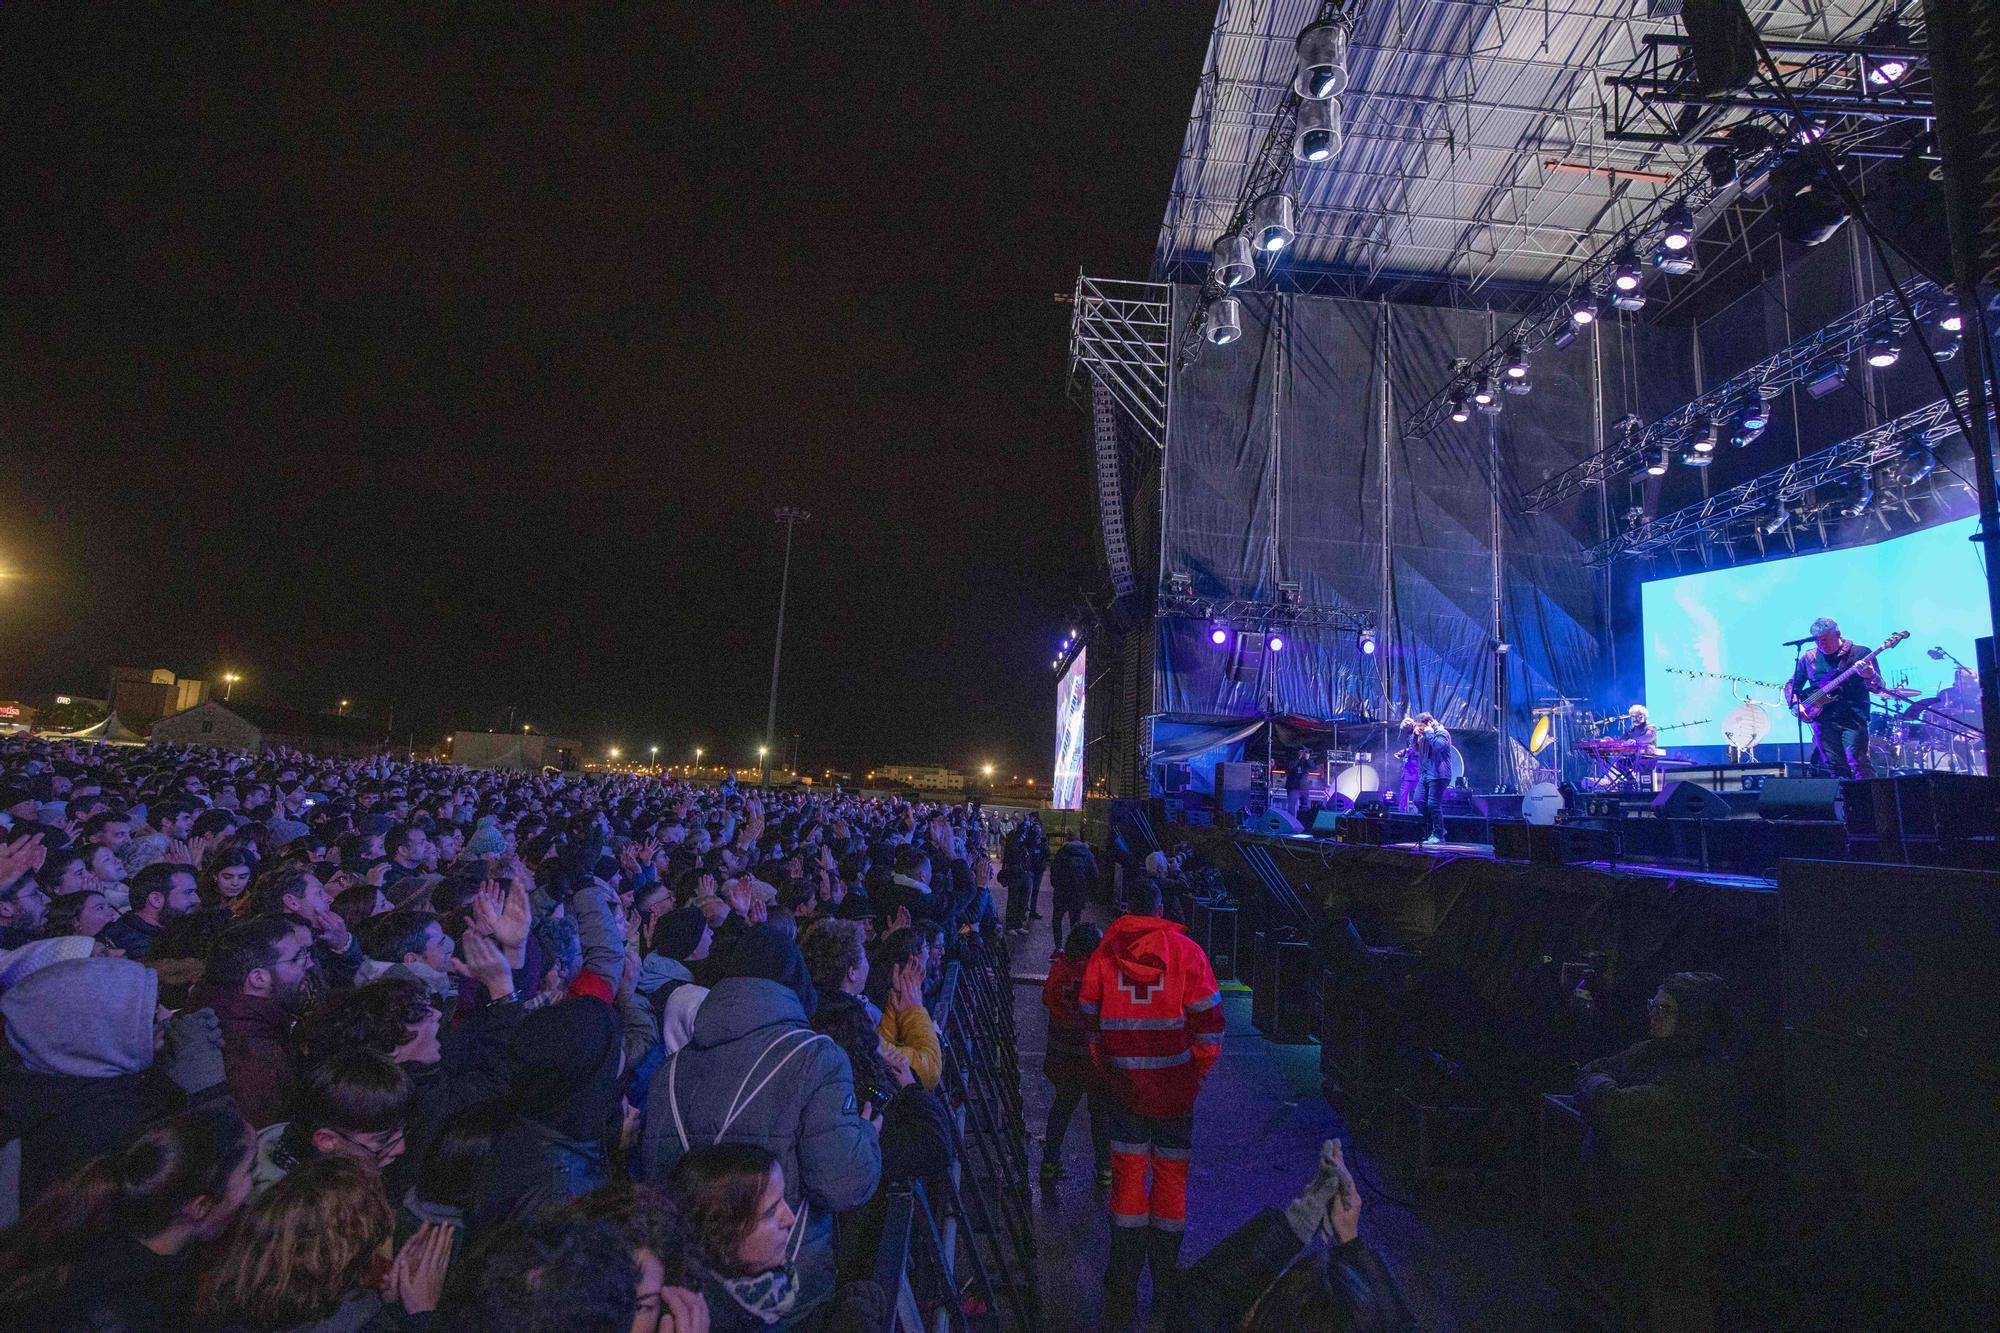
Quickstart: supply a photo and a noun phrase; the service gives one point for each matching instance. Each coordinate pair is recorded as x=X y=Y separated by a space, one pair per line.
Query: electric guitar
x=1810 y=707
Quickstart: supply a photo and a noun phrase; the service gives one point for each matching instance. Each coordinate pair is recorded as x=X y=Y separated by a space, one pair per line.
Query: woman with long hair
x=116 y=1244
x=85 y=913
x=308 y=1254
x=226 y=873
x=732 y=1200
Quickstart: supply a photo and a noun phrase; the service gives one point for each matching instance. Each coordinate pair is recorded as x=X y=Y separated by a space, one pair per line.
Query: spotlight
x=1918 y=462
x=1458 y=411
x=1942 y=337
x=1950 y=318
x=1626 y=276
x=1225 y=321
x=1368 y=643
x=1517 y=387
x=1276 y=643
x=1883 y=348
x=1694 y=459
x=1703 y=440
x=1657 y=462
x=1754 y=413
x=1628 y=300
x=1862 y=498
x=1582 y=308
x=1322 y=51
x=1808 y=205
x=1482 y=389
x=1517 y=362
x=1566 y=337
x=1680 y=228
x=1675 y=262
x=1885 y=70
x=1219 y=635
x=1809 y=131
x=1720 y=164
x=1492 y=408
x=1234 y=264
x=1273 y=222
x=1780 y=519
x=1318 y=134
x=1826 y=378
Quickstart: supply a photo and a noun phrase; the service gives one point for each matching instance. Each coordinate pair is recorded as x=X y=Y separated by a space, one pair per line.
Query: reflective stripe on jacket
x=1156 y=1013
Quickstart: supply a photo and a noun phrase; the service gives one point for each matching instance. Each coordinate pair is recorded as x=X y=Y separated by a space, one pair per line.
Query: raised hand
x=484 y=963
x=20 y=856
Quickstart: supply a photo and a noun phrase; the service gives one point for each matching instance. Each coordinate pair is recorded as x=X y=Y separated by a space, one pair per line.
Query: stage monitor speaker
x=1368 y=803
x=1176 y=776
x=1689 y=800
x=1276 y=823
x=1326 y=823
x=1799 y=798
x=1239 y=786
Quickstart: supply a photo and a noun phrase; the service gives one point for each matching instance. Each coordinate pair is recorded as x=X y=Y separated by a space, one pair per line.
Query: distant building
x=256 y=728
x=15 y=715
x=503 y=749
x=924 y=777
x=141 y=696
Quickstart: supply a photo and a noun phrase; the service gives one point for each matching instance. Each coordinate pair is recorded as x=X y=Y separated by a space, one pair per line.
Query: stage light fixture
x=1322 y=52
x=1826 y=378
x=1753 y=413
x=1274 y=221
x=1883 y=349
x=1219 y=634
x=1780 y=519
x=1942 y=338
x=1885 y=70
x=1704 y=438
x=1566 y=337
x=1680 y=228
x=1626 y=275
x=1950 y=318
x=1234 y=264
x=1491 y=409
x=1808 y=205
x=1276 y=643
x=1582 y=307
x=1482 y=389
x=1518 y=387
x=1720 y=164
x=1368 y=643
x=1675 y=262
x=1658 y=462
x=1517 y=362
x=1694 y=458
x=1225 y=321
x=1918 y=462
x=1862 y=498
x=1628 y=301
x=1809 y=131
x=1317 y=137
x=1458 y=409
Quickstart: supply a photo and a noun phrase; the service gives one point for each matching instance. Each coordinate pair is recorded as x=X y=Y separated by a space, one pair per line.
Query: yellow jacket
x=912 y=1032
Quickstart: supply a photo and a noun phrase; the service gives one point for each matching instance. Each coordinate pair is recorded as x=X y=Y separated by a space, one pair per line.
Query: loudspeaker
x=1368 y=803
x=1799 y=798
x=1239 y=786
x=1932 y=805
x=1176 y=776
x=1689 y=800
x=1274 y=822
x=1326 y=823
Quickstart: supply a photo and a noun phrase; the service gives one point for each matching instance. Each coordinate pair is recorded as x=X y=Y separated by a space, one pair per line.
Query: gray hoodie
x=87 y=1017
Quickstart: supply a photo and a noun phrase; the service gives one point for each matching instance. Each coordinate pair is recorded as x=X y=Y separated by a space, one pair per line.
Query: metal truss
x=1119 y=338
x=1723 y=514
x=1653 y=102
x=1110 y=490
x=1839 y=342
x=1246 y=613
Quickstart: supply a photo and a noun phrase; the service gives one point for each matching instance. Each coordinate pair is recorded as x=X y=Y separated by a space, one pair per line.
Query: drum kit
x=1934 y=733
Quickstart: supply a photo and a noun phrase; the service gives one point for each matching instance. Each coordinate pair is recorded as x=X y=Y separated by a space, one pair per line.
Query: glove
x=192 y=1054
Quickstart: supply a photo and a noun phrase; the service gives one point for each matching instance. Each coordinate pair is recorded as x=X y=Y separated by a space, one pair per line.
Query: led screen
x=1066 y=792
x=1735 y=622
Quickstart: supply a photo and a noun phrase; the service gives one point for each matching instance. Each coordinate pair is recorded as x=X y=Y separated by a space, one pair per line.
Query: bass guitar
x=1810 y=707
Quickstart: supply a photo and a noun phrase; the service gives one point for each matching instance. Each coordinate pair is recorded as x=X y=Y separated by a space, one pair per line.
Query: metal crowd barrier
x=966 y=1244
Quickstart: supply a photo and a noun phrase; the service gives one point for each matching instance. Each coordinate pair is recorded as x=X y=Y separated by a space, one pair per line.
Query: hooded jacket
x=567 y=1060
x=81 y=1082
x=1153 y=1004
x=806 y=1113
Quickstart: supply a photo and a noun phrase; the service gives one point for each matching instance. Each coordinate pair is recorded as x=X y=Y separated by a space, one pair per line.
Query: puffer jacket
x=806 y=1114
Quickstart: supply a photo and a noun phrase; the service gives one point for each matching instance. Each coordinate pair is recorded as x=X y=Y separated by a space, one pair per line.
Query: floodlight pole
x=791 y=518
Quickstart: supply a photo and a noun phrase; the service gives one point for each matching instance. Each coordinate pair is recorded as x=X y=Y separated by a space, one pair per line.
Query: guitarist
x=1841 y=729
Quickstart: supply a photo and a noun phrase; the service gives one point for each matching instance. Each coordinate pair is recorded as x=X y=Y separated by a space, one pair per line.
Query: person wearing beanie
x=486 y=839
x=681 y=937
x=85 y=1080
x=755 y=1072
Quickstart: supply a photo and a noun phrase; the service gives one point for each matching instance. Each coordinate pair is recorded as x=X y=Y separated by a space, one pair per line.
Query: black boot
x=1163 y=1255
x=1121 y=1276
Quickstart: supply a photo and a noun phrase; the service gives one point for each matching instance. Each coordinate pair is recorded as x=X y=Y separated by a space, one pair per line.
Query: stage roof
x=1475 y=156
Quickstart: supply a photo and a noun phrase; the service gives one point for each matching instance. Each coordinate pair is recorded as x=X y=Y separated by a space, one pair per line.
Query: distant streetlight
x=525 y=730
x=344 y=705
x=614 y=752
x=763 y=750
x=791 y=517
x=988 y=770
x=656 y=755
x=697 y=756
x=229 y=679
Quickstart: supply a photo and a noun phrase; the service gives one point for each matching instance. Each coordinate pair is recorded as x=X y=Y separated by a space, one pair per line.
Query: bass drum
x=1540 y=803
x=1356 y=779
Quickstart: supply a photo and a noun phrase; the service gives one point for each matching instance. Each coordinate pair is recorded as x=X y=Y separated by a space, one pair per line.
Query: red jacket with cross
x=1152 y=1000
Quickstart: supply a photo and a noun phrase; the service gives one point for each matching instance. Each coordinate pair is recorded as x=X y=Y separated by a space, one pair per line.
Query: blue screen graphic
x=1066 y=792
x=1735 y=621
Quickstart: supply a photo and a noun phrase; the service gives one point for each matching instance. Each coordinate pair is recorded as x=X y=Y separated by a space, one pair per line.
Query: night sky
x=459 y=368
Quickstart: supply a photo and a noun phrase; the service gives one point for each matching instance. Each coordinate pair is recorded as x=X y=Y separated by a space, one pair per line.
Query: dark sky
x=458 y=361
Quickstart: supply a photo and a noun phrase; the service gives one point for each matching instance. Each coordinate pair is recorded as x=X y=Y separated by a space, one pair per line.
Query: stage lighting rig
x=1883 y=348
x=1780 y=519
x=1482 y=389
x=1676 y=262
x=1863 y=498
x=1919 y=461
x=1318 y=137
x=1368 y=643
x=1234 y=263
x=1519 y=388
x=1704 y=439
x=1658 y=462
x=1225 y=321
x=1826 y=378
x=1322 y=52
x=1941 y=334
x=1626 y=275
x=1697 y=458
x=1679 y=228
x=1582 y=307
x=1517 y=362
x=1459 y=412
x=1218 y=634
x=1274 y=222
x=1888 y=69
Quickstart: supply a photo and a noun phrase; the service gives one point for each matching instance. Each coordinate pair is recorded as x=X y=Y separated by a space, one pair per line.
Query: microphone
x=1793 y=643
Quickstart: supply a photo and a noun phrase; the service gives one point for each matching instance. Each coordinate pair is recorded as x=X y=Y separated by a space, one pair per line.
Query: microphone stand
x=1798 y=647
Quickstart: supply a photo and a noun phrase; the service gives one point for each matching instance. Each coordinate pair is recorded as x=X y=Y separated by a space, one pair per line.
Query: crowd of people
x=295 y=1043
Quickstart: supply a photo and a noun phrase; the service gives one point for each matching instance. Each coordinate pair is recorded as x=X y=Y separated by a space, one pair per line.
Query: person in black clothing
x=1072 y=873
x=1841 y=729
x=1433 y=746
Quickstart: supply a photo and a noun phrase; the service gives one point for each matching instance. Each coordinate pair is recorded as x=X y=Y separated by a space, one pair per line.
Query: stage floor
x=1484 y=851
